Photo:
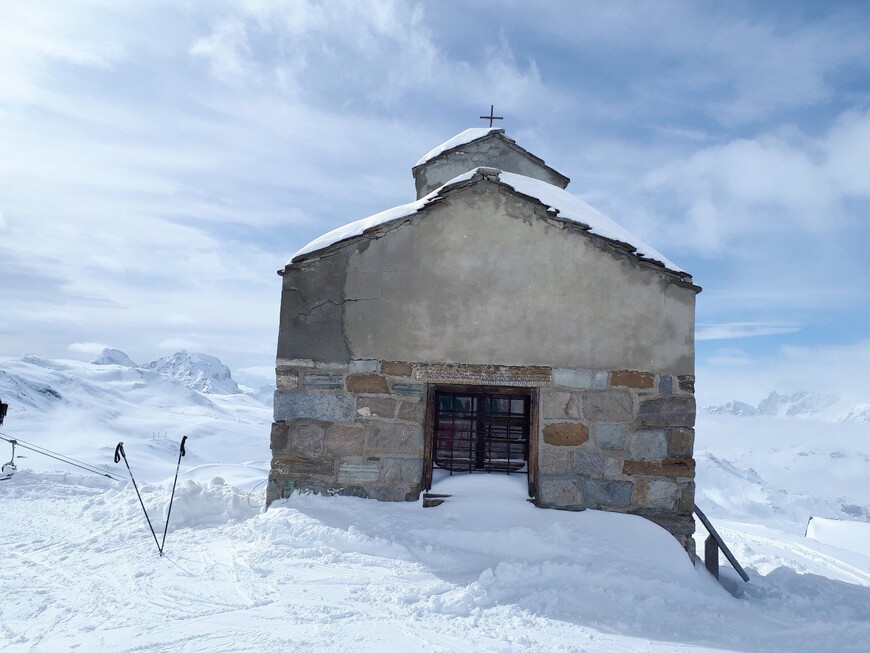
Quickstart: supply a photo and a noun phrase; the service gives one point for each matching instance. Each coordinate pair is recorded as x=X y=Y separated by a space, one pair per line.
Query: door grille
x=481 y=431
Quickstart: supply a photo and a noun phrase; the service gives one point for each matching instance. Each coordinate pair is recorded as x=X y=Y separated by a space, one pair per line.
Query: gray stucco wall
x=476 y=279
x=493 y=151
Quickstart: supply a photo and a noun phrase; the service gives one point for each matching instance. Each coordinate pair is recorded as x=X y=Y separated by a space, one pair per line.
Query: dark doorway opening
x=481 y=430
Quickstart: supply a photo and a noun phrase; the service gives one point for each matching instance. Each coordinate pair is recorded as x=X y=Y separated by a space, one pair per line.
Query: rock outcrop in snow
x=197 y=371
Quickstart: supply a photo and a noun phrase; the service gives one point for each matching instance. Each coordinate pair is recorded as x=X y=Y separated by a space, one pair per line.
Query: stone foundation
x=350 y=429
x=618 y=440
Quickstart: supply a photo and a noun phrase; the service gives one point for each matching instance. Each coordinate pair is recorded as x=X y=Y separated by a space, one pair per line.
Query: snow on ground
x=486 y=571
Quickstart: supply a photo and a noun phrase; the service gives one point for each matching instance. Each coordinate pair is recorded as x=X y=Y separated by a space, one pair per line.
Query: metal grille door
x=481 y=431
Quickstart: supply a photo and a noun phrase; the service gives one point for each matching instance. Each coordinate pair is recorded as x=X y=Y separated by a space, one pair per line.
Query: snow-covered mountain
x=84 y=409
x=805 y=405
x=198 y=371
x=113 y=357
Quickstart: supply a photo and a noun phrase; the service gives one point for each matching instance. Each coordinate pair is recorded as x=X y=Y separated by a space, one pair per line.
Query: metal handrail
x=712 y=545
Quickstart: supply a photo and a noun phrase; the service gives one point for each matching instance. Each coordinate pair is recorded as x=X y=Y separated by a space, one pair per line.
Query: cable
x=60 y=457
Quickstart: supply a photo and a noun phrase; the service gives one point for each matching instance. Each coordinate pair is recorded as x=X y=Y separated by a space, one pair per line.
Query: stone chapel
x=499 y=324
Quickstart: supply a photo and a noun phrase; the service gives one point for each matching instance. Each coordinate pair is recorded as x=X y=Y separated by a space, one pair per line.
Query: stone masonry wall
x=351 y=429
x=621 y=441
x=617 y=440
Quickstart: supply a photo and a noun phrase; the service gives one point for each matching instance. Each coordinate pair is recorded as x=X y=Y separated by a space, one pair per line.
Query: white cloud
x=179 y=344
x=828 y=370
x=731 y=330
x=263 y=373
x=774 y=183
x=90 y=348
x=178 y=319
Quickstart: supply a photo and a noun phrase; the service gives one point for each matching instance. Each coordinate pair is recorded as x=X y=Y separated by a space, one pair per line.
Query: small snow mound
x=204 y=506
x=113 y=357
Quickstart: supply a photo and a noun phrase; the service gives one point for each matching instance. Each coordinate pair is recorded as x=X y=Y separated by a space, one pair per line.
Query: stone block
x=522 y=376
x=324 y=406
x=356 y=472
x=560 y=492
x=681 y=443
x=656 y=493
x=389 y=493
x=680 y=526
x=318 y=380
x=572 y=378
x=286 y=379
x=411 y=411
x=632 y=379
x=686 y=501
x=403 y=472
x=373 y=384
x=595 y=464
x=667 y=411
x=386 y=438
x=554 y=404
x=342 y=441
x=358 y=366
x=351 y=491
x=291 y=466
x=686 y=383
x=564 y=434
x=395 y=368
x=409 y=391
x=293 y=362
x=666 y=384
x=376 y=406
x=608 y=435
x=684 y=468
x=555 y=460
x=605 y=493
x=600 y=379
x=300 y=437
x=607 y=406
x=648 y=444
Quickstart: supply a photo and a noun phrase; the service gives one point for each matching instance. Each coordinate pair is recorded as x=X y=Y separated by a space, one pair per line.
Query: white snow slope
x=486 y=571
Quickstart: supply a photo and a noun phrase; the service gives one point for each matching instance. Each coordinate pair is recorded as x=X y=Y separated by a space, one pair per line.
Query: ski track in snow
x=486 y=571
x=81 y=572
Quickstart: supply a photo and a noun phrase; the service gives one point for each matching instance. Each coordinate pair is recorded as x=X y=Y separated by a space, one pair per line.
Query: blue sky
x=159 y=161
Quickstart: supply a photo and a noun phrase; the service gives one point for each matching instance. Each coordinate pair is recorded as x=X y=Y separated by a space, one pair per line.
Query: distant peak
x=113 y=357
x=197 y=371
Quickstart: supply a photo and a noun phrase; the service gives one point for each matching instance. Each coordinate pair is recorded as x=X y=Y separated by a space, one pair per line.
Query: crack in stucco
x=311 y=309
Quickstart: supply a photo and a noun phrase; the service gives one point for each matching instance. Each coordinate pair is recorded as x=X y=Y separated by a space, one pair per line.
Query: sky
x=160 y=161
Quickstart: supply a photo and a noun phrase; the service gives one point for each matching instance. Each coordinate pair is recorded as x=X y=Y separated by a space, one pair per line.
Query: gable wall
x=477 y=279
x=493 y=152
x=481 y=291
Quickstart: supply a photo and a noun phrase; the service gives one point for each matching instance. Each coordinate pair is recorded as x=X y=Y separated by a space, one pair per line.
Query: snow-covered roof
x=462 y=138
x=562 y=204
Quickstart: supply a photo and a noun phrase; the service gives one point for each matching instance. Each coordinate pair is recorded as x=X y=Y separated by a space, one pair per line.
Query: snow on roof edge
x=568 y=207
x=358 y=227
x=462 y=138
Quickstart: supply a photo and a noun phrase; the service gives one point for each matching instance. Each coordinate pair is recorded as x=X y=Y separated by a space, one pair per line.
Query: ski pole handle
x=183 y=440
x=119 y=451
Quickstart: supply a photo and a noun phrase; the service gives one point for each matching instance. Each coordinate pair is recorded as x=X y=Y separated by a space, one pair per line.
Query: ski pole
x=119 y=453
x=181 y=452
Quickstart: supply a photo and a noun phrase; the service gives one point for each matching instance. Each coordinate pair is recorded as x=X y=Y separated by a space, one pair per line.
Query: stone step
x=430 y=500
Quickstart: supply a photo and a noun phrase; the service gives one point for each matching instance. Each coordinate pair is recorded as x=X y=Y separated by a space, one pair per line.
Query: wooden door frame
x=429 y=426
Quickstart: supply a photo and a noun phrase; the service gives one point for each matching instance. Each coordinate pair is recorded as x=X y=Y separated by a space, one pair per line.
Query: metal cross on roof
x=491 y=117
